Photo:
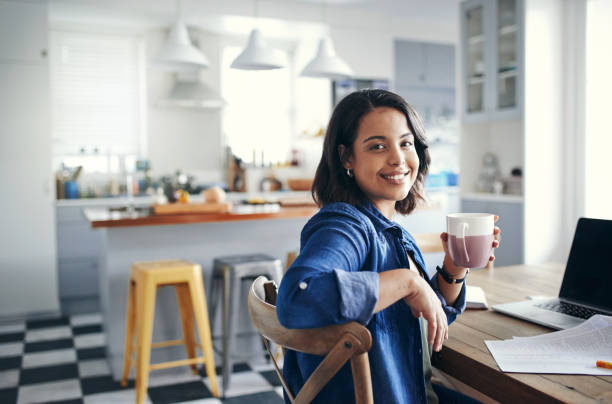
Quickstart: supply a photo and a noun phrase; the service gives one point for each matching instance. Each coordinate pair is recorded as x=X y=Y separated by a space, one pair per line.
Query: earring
x=349 y=173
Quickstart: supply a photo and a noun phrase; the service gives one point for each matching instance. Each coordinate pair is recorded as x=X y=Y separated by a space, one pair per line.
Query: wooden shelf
x=482 y=196
x=508 y=29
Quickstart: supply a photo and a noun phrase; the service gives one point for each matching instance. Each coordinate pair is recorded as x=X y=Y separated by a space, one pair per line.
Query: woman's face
x=384 y=160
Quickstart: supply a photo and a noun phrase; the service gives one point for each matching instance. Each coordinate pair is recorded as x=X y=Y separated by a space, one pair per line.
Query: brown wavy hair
x=331 y=183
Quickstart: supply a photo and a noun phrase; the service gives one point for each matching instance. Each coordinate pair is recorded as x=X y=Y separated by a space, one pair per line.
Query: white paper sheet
x=571 y=351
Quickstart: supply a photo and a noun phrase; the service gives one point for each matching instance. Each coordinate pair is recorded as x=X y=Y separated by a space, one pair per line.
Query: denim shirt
x=334 y=280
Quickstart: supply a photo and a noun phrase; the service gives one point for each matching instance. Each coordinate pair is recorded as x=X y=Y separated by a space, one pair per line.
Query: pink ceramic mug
x=470 y=238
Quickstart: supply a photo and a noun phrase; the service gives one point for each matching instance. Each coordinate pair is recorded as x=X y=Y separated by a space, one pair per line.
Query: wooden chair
x=338 y=343
x=429 y=242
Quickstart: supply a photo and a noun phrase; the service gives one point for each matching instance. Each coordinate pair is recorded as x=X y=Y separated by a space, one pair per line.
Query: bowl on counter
x=300 y=184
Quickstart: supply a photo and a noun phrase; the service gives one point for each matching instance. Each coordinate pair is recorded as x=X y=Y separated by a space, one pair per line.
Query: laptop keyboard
x=569 y=309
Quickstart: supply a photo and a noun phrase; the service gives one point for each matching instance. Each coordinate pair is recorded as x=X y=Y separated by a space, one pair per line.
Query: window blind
x=97 y=93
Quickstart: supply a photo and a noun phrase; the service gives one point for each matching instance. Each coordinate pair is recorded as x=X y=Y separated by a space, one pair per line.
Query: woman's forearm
x=393 y=285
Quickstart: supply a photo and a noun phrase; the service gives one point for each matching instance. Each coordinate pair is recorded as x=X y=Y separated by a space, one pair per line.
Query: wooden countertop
x=103 y=218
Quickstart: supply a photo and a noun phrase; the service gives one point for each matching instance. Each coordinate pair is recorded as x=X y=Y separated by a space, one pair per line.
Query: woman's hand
x=423 y=301
x=456 y=271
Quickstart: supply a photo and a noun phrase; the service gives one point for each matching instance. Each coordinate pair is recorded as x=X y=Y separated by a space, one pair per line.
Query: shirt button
x=303 y=285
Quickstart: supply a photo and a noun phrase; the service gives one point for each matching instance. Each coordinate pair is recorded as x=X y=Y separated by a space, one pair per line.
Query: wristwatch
x=448 y=277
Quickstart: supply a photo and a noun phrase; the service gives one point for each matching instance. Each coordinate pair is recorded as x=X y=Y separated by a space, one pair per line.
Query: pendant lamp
x=189 y=91
x=178 y=53
x=327 y=64
x=258 y=55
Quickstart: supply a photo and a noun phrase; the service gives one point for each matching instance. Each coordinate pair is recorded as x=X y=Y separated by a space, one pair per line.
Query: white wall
x=544 y=130
x=598 y=170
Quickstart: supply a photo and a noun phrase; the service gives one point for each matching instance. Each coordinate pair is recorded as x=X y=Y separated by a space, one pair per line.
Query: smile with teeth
x=396 y=177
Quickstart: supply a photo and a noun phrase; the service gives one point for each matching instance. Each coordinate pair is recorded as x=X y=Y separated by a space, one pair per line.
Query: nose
x=397 y=157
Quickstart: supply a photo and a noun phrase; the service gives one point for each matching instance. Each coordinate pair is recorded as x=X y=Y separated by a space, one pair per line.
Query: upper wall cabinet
x=22 y=37
x=492 y=59
x=422 y=64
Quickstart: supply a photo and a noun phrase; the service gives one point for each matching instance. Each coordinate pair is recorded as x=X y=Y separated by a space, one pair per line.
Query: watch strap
x=448 y=277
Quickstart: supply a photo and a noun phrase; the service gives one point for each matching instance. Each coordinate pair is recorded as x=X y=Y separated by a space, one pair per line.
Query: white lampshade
x=258 y=55
x=194 y=94
x=178 y=53
x=327 y=64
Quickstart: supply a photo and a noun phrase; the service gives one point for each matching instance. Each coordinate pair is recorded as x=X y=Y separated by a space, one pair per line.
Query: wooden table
x=466 y=357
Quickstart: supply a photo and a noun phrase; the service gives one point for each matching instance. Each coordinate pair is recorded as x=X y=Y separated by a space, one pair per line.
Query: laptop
x=587 y=283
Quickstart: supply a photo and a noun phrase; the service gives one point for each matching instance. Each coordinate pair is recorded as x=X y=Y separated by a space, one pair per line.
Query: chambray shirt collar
x=381 y=223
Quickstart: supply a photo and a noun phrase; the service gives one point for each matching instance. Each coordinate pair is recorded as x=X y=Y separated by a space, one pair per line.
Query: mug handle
x=464 y=227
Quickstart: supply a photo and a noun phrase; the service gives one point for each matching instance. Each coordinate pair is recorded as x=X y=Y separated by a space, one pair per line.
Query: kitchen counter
x=101 y=218
x=125 y=238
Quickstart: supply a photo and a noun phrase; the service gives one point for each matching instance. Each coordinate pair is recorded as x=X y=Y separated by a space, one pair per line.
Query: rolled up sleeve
x=358 y=294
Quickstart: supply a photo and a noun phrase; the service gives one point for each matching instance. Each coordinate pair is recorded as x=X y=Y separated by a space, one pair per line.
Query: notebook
x=587 y=281
x=475 y=298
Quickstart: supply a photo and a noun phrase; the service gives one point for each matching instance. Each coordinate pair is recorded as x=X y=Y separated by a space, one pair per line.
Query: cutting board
x=191 y=208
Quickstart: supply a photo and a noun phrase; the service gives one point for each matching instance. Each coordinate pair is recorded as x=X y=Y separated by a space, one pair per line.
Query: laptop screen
x=588 y=275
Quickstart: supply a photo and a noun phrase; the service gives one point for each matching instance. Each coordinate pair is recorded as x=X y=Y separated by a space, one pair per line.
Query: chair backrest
x=428 y=242
x=338 y=343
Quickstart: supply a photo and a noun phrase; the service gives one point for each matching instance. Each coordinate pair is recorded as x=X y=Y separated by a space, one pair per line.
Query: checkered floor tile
x=63 y=360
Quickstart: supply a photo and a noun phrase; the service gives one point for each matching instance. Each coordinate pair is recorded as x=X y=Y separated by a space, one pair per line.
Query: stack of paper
x=571 y=351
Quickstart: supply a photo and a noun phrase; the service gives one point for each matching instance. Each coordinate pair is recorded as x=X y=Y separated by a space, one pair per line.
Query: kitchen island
x=136 y=235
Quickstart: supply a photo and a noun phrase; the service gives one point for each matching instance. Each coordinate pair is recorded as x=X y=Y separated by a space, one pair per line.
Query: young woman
x=356 y=264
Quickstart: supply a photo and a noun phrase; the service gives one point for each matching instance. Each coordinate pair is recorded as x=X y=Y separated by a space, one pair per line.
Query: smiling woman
x=357 y=264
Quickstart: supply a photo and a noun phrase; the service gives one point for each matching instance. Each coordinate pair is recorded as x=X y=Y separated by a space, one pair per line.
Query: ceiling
x=213 y=15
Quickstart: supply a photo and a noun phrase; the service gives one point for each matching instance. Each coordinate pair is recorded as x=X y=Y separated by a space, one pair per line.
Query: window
x=258 y=117
x=97 y=99
x=268 y=113
x=598 y=192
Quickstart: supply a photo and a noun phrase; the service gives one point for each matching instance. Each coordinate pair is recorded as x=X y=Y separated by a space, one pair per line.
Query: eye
x=407 y=144
x=377 y=146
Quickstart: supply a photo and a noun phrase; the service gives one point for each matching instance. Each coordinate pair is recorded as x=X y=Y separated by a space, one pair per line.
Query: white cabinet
x=492 y=59
x=78 y=250
x=23 y=31
x=510 y=251
x=423 y=64
x=27 y=240
x=425 y=77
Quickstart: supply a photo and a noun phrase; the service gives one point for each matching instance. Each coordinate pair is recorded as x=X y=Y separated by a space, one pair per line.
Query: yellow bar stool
x=145 y=278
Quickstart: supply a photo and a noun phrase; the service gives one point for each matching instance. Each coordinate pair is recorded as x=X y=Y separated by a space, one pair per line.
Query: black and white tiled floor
x=63 y=360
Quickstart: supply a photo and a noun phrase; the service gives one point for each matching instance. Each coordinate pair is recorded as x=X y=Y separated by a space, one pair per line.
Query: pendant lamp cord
x=256 y=13
x=324 y=11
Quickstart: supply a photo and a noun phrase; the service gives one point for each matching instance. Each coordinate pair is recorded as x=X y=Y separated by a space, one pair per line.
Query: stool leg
x=227 y=279
x=186 y=309
x=233 y=288
x=201 y=314
x=129 y=332
x=214 y=295
x=146 y=303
